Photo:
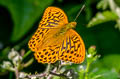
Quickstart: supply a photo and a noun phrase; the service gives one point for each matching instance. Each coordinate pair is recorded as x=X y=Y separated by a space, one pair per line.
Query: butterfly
x=55 y=39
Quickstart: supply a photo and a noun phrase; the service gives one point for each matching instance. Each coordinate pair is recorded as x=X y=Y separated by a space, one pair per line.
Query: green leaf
x=117 y=2
x=104 y=74
x=112 y=61
x=102 y=4
x=102 y=18
x=109 y=62
x=118 y=24
x=56 y=77
x=24 y=14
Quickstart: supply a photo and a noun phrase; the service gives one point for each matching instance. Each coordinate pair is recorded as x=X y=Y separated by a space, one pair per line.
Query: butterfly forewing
x=52 y=17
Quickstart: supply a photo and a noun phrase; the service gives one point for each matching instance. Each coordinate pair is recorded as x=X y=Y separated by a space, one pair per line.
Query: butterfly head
x=72 y=24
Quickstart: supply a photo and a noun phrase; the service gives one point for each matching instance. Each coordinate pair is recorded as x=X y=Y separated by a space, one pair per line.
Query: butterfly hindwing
x=47 y=55
x=72 y=48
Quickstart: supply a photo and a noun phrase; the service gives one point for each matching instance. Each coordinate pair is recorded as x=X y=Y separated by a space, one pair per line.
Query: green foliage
x=102 y=18
x=112 y=15
x=56 y=77
x=106 y=68
x=112 y=61
x=117 y=2
x=90 y=58
x=99 y=69
x=105 y=74
x=24 y=14
x=102 y=4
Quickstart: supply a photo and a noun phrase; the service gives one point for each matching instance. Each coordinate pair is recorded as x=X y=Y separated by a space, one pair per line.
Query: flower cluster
x=14 y=61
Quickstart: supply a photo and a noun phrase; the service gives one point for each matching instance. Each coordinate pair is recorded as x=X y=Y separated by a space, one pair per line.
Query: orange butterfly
x=56 y=40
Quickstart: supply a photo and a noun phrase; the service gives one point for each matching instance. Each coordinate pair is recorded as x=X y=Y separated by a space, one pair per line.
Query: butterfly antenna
x=79 y=12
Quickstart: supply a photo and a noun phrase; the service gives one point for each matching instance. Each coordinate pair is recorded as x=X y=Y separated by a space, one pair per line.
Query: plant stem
x=29 y=62
x=16 y=73
x=37 y=75
x=26 y=54
x=47 y=69
x=44 y=74
x=87 y=70
x=59 y=75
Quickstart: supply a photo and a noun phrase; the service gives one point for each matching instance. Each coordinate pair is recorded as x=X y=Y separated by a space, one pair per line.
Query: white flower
x=22 y=75
x=17 y=60
x=33 y=77
x=89 y=55
x=81 y=67
x=15 y=57
x=68 y=73
x=12 y=54
x=7 y=65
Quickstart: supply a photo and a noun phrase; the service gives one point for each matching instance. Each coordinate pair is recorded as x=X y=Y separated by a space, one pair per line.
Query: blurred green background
x=20 y=18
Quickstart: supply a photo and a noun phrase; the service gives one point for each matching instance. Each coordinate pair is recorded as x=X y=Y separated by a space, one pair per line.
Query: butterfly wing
x=72 y=48
x=47 y=55
x=52 y=17
x=50 y=48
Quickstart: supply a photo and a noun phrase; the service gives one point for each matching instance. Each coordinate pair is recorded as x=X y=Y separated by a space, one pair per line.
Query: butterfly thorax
x=57 y=35
x=70 y=25
x=65 y=28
